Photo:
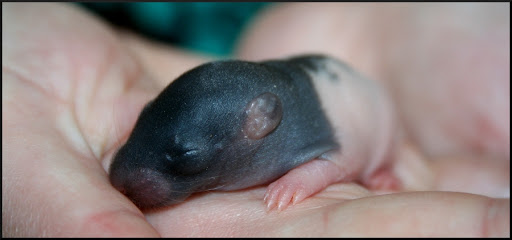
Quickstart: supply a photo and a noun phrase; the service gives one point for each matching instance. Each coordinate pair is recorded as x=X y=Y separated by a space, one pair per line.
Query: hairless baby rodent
x=300 y=123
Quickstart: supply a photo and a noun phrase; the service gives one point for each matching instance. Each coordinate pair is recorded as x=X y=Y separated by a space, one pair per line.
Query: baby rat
x=300 y=124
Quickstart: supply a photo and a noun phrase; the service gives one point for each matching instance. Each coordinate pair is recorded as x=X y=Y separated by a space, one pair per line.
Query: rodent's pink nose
x=144 y=187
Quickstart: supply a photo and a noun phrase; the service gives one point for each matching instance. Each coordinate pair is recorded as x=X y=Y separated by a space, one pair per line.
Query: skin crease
x=70 y=97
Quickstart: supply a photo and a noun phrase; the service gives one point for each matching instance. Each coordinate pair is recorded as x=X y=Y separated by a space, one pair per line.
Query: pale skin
x=72 y=88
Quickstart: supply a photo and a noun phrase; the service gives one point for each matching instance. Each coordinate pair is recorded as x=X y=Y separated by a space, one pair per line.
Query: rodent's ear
x=263 y=114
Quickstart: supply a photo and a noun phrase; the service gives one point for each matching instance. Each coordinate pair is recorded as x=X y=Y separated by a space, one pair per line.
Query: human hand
x=70 y=97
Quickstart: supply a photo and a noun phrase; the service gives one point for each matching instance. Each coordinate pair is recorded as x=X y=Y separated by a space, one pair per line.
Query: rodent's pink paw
x=300 y=183
x=281 y=194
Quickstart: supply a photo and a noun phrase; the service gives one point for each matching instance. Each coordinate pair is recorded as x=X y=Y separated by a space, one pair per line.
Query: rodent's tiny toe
x=285 y=199
x=271 y=196
x=271 y=204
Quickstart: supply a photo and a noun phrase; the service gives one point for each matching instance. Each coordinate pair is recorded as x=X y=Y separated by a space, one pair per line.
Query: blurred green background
x=207 y=27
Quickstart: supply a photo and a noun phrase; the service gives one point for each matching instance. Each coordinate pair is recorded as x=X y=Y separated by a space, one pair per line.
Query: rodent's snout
x=144 y=187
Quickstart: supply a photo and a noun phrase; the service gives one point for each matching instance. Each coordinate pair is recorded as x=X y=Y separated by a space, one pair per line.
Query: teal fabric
x=208 y=27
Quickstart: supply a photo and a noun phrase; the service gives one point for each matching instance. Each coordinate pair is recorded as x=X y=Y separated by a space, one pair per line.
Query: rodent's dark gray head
x=196 y=132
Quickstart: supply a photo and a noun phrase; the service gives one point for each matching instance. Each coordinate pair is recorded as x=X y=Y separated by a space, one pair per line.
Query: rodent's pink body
x=362 y=115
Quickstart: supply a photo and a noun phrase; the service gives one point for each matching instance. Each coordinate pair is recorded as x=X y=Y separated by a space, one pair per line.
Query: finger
x=478 y=175
x=421 y=214
x=463 y=173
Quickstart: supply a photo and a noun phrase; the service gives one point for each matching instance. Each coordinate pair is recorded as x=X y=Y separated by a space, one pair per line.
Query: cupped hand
x=72 y=89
